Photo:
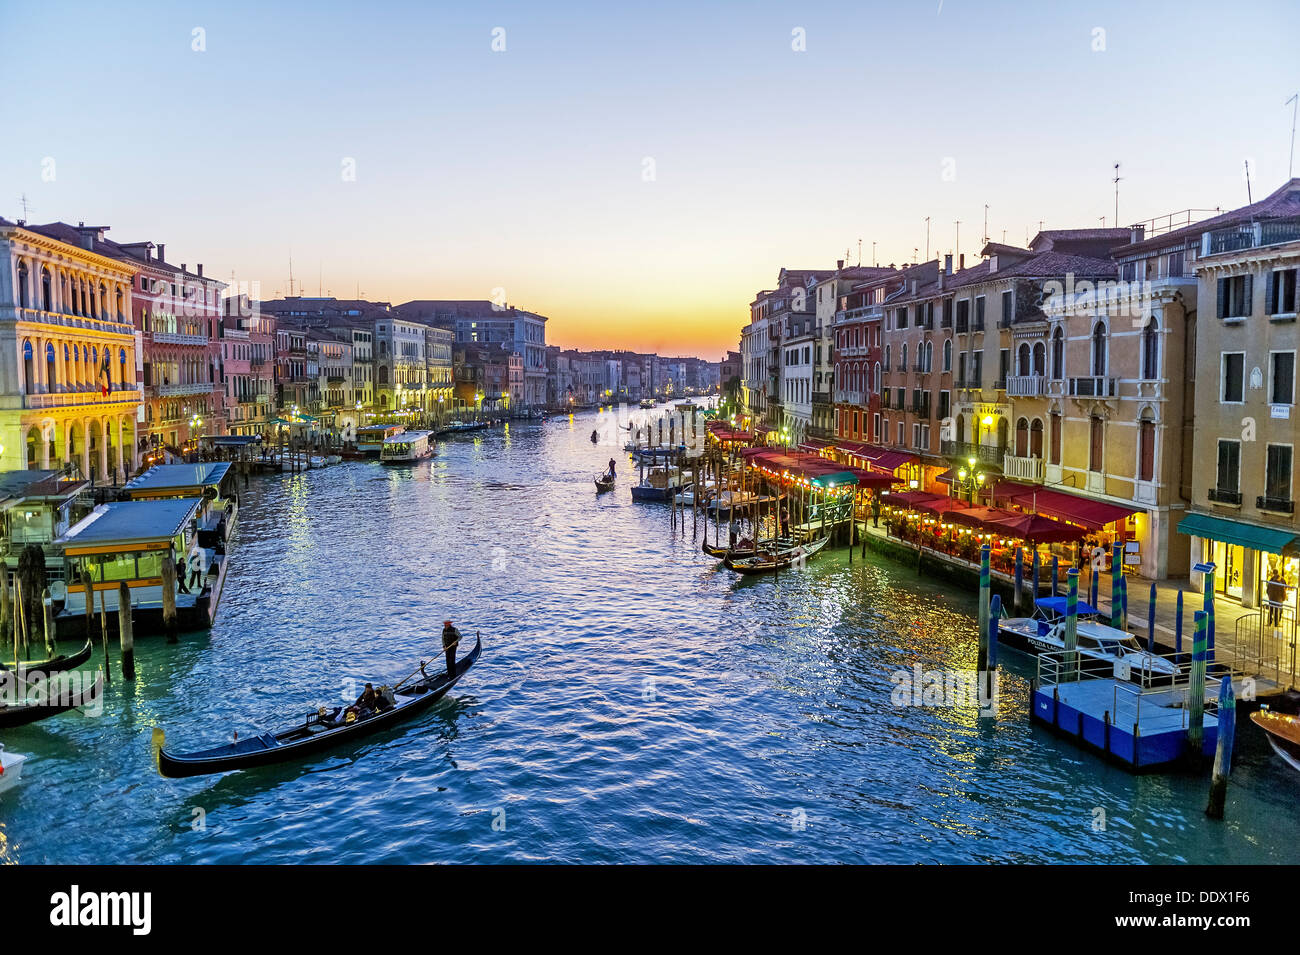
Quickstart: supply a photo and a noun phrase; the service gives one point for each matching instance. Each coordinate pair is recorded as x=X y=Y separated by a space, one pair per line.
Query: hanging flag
x=106 y=374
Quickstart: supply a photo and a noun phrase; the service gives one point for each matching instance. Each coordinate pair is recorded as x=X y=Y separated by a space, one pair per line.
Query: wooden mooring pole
x=1223 y=750
x=982 y=663
x=126 y=630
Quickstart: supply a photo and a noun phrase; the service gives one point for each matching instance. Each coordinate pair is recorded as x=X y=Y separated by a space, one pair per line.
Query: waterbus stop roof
x=130 y=525
x=168 y=478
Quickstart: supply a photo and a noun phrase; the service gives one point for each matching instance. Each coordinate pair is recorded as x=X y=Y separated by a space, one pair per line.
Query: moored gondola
x=38 y=700
x=767 y=561
x=55 y=664
x=318 y=732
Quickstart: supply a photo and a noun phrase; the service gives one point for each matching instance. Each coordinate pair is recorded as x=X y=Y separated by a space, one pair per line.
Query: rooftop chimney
x=1137 y=233
x=961 y=261
x=941 y=273
x=162 y=252
x=200 y=270
x=839 y=264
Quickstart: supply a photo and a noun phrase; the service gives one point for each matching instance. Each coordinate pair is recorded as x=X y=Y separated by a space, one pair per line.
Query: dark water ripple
x=634 y=703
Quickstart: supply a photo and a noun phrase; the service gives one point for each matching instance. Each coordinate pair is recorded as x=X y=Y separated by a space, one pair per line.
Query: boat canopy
x=130 y=525
x=167 y=479
x=1056 y=605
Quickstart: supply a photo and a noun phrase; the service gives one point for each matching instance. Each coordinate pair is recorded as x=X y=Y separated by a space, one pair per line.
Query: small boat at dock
x=659 y=484
x=11 y=768
x=771 y=558
x=319 y=731
x=40 y=701
x=1114 y=649
x=55 y=664
x=1283 y=731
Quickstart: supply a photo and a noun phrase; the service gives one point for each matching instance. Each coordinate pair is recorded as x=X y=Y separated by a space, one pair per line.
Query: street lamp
x=970 y=480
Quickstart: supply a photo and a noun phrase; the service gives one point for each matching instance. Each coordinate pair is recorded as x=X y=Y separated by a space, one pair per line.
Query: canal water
x=635 y=701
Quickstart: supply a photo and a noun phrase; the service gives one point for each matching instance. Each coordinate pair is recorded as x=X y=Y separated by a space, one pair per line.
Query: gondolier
x=450 y=638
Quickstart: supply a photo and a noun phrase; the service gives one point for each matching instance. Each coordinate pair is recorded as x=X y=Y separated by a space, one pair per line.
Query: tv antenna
x=986 y=223
x=859 y=252
x=1291 y=162
x=27 y=208
x=1117 y=179
x=927 y=238
x=1248 y=199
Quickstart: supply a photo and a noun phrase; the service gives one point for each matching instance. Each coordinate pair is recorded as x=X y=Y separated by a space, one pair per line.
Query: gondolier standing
x=450 y=637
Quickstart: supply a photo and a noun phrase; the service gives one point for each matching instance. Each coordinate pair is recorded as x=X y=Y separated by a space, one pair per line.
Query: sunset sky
x=525 y=169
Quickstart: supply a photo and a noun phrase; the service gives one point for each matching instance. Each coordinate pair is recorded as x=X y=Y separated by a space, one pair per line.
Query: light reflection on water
x=634 y=702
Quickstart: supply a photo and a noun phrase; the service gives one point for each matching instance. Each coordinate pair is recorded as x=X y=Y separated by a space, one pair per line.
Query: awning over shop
x=940 y=506
x=947 y=477
x=1036 y=529
x=981 y=518
x=1087 y=512
x=911 y=498
x=887 y=459
x=1270 y=540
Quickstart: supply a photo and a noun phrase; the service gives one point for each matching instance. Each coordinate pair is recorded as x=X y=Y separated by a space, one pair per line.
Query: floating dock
x=1141 y=729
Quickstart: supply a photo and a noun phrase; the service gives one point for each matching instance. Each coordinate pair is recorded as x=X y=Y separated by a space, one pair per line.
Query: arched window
x=1022 y=438
x=877 y=382
x=960 y=436
x=28 y=371
x=46 y=290
x=902 y=365
x=1036 y=439
x=1022 y=359
x=1151 y=350
x=1058 y=353
x=22 y=285
x=1040 y=359
x=1099 y=349
x=383 y=375
x=929 y=356
x=51 y=376
x=947 y=354
x=887 y=357
x=1147 y=447
x=1096 y=436
x=121 y=315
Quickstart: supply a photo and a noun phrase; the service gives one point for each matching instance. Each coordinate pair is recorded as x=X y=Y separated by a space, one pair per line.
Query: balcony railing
x=1092 y=387
x=1223 y=496
x=1023 y=469
x=71 y=321
x=1250 y=235
x=964 y=450
x=1281 y=505
x=179 y=338
x=1024 y=386
x=187 y=388
x=74 y=399
x=969 y=382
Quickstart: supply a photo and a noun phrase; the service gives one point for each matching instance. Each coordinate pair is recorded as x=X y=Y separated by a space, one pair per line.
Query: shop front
x=1249 y=560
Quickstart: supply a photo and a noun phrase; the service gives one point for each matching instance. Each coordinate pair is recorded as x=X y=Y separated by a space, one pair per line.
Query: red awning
x=886 y=459
x=940 y=505
x=1036 y=529
x=981 y=518
x=911 y=498
x=947 y=477
x=1087 y=512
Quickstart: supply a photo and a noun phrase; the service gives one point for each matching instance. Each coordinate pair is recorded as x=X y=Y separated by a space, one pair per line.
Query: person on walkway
x=196 y=573
x=875 y=509
x=450 y=638
x=179 y=566
x=1276 y=596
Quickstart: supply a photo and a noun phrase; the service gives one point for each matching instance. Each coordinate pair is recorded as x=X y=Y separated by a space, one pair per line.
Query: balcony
x=1025 y=386
x=179 y=338
x=969 y=383
x=71 y=321
x=1250 y=235
x=1278 y=505
x=964 y=451
x=1023 y=469
x=1092 y=387
x=1222 y=496
x=188 y=388
x=74 y=399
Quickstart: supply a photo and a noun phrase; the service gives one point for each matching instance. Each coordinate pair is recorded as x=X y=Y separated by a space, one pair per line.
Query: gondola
x=49 y=702
x=745 y=548
x=767 y=561
x=604 y=482
x=316 y=733
x=57 y=664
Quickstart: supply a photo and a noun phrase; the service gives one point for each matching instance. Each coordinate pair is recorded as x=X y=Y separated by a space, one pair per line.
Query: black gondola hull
x=23 y=713
x=266 y=750
x=59 y=664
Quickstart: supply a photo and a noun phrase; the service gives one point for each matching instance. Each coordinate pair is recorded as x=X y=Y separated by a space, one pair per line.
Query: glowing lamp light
x=988 y=420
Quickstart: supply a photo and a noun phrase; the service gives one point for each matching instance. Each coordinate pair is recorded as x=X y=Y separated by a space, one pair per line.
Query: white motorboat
x=1119 y=649
x=11 y=768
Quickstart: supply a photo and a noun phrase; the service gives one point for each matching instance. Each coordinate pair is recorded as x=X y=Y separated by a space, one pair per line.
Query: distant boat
x=604 y=482
x=659 y=484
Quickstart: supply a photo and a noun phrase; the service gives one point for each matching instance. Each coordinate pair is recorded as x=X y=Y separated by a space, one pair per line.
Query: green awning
x=1270 y=540
x=837 y=479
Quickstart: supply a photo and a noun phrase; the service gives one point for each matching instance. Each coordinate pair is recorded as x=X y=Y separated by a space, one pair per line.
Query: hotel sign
x=1280 y=411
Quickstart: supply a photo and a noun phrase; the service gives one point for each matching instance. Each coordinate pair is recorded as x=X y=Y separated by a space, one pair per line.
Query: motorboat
x=11 y=768
x=1121 y=651
x=1283 y=731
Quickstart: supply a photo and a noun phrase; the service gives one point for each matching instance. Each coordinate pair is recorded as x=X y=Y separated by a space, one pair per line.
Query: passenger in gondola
x=363 y=707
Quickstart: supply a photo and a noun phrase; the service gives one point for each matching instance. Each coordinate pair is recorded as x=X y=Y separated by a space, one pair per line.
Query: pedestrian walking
x=196 y=573
x=180 y=574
